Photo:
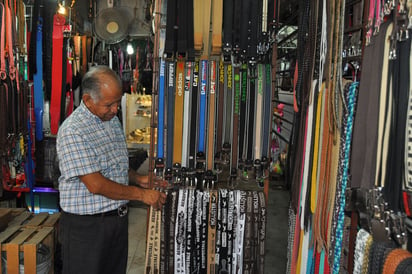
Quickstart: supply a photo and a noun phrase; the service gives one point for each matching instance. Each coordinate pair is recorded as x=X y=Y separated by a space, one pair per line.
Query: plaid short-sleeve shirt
x=86 y=144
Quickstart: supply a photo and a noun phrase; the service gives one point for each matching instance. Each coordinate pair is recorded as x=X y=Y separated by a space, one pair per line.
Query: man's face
x=110 y=98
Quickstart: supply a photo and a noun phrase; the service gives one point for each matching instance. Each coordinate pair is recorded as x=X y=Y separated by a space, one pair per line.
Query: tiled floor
x=276 y=236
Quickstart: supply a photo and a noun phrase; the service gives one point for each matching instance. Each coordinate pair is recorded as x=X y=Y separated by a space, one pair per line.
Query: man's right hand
x=154 y=198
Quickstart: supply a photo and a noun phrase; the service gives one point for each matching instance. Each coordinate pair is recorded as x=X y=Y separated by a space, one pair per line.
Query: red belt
x=57 y=61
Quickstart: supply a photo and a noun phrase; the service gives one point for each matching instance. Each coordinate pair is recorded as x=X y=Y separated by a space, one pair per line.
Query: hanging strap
x=220 y=108
x=351 y=102
x=194 y=115
x=259 y=107
x=178 y=109
x=190 y=245
x=180 y=232
x=262 y=221
x=267 y=112
x=235 y=121
x=186 y=114
x=222 y=243
x=161 y=111
x=242 y=113
x=202 y=105
x=56 y=93
x=197 y=24
x=228 y=108
x=206 y=13
x=3 y=74
x=211 y=115
x=63 y=81
x=227 y=28
x=204 y=229
x=251 y=114
x=217 y=18
x=12 y=70
x=170 y=112
x=3 y=94
x=211 y=245
x=21 y=11
x=69 y=80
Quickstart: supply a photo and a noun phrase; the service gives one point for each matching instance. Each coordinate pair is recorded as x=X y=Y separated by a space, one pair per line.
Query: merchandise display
x=223 y=101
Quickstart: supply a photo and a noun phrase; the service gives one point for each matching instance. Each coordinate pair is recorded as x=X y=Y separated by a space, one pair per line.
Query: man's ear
x=87 y=99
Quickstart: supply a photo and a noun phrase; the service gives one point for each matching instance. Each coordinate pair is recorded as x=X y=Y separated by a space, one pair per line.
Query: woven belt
x=394 y=258
x=405 y=266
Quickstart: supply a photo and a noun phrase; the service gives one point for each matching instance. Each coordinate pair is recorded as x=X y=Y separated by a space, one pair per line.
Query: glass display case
x=136 y=119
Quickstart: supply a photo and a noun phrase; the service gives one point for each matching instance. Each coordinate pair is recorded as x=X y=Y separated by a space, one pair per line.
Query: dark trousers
x=94 y=244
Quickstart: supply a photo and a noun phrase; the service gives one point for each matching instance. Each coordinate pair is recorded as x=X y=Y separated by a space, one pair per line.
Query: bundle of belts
x=208 y=231
x=214 y=89
x=212 y=115
x=331 y=169
x=16 y=134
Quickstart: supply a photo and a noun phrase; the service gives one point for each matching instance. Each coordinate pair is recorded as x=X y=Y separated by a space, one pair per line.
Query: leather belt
x=121 y=211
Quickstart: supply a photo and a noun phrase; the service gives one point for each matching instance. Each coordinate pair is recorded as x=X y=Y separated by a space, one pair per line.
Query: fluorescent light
x=129 y=49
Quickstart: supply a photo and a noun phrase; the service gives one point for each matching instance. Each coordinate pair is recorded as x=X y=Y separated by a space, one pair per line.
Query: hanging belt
x=238 y=251
x=351 y=102
x=217 y=18
x=186 y=114
x=160 y=121
x=248 y=237
x=172 y=221
x=206 y=12
x=63 y=82
x=180 y=233
x=38 y=82
x=227 y=129
x=58 y=23
x=259 y=107
x=205 y=217
x=211 y=115
x=242 y=115
x=262 y=219
x=84 y=54
x=150 y=242
x=384 y=115
x=220 y=107
x=13 y=73
x=267 y=112
x=198 y=229
x=202 y=105
x=194 y=115
x=227 y=28
x=170 y=112
x=222 y=237
x=235 y=121
x=211 y=245
x=251 y=113
x=190 y=245
x=178 y=110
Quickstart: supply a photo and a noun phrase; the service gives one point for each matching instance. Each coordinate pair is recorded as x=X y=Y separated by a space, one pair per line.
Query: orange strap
x=217 y=27
x=84 y=54
x=13 y=74
x=178 y=123
x=295 y=80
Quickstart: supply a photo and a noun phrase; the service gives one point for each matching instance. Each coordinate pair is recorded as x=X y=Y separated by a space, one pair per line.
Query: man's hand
x=154 y=198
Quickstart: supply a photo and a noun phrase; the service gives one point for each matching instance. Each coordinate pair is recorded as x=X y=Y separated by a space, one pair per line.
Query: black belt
x=121 y=211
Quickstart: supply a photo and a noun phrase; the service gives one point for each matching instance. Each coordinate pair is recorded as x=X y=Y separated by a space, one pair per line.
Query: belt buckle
x=122 y=210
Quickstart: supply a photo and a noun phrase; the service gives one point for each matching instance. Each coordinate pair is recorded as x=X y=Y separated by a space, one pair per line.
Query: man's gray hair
x=94 y=78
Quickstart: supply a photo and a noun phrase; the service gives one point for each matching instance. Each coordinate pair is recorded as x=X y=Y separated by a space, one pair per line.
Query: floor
x=276 y=236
